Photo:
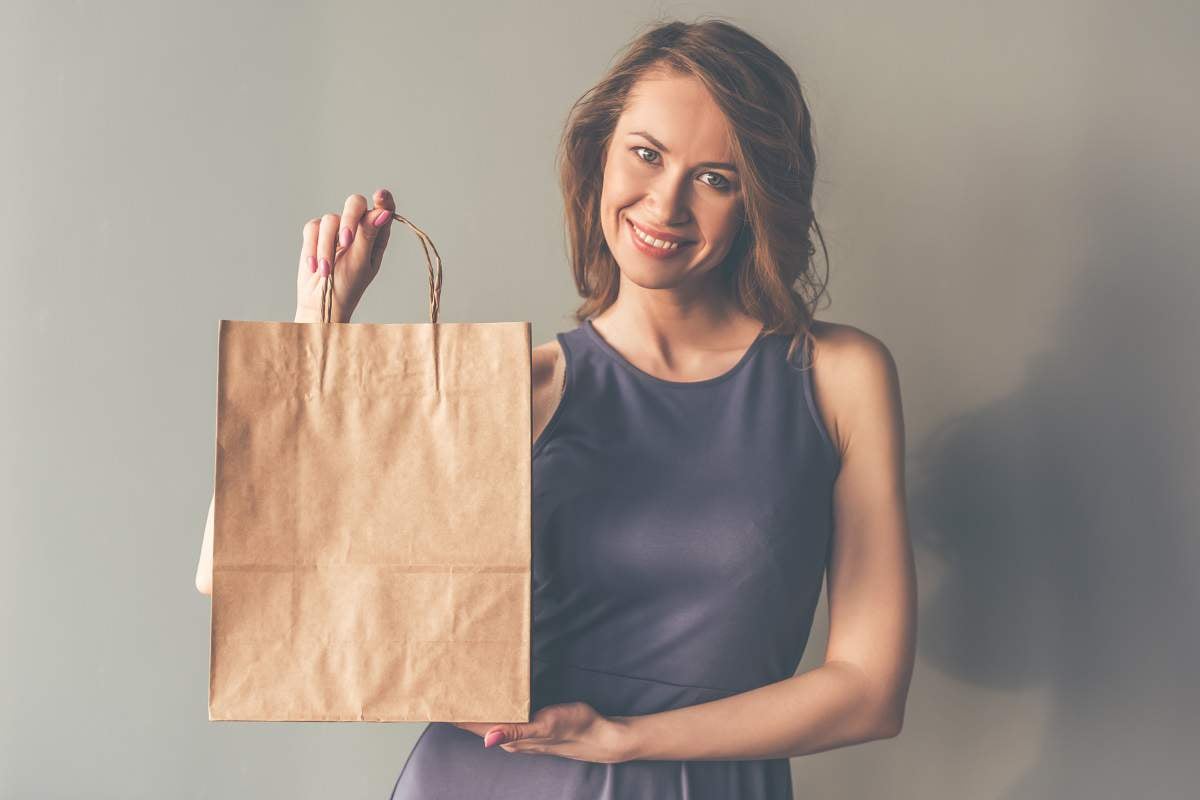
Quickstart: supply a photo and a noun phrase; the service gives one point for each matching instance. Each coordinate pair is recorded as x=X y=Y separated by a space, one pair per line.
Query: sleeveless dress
x=681 y=532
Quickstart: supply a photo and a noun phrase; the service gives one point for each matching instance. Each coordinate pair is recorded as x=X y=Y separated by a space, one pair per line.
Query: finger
x=308 y=248
x=352 y=211
x=308 y=279
x=477 y=728
x=508 y=733
x=524 y=746
x=380 y=224
x=326 y=243
x=381 y=213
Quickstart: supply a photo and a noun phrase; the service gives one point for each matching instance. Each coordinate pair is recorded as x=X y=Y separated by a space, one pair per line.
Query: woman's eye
x=648 y=150
x=721 y=184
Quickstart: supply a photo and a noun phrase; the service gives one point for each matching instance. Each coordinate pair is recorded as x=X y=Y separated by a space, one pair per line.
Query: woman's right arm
x=204 y=568
x=362 y=236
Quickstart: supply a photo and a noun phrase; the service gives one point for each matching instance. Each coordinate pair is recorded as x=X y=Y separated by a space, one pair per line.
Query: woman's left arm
x=858 y=694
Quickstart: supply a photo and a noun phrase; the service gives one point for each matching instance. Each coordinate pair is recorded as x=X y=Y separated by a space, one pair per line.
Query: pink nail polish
x=346 y=236
x=325 y=270
x=312 y=263
x=383 y=217
x=494 y=737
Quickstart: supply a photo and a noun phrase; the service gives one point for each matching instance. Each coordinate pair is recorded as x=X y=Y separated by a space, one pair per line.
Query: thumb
x=503 y=734
x=375 y=235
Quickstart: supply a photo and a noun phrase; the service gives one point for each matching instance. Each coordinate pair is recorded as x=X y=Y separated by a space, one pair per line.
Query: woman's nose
x=668 y=199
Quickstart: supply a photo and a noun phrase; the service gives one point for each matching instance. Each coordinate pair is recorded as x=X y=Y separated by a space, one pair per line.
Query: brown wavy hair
x=769 y=270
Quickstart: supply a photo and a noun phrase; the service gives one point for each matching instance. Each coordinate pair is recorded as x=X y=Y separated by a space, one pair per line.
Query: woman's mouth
x=654 y=247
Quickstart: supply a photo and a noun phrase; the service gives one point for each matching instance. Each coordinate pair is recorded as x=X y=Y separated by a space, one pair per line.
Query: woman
x=704 y=450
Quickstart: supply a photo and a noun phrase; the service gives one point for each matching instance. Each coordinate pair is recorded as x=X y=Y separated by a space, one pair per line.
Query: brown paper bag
x=372 y=528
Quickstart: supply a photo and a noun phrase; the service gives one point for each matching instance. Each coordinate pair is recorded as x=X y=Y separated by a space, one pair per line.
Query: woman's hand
x=362 y=236
x=571 y=730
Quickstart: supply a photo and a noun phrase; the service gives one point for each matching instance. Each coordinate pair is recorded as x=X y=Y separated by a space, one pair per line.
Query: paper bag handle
x=435 y=276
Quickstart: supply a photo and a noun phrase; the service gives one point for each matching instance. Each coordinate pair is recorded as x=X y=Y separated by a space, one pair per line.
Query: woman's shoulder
x=854 y=376
x=546 y=362
x=846 y=343
x=548 y=378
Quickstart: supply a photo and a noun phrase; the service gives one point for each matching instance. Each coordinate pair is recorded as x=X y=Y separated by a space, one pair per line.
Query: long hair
x=769 y=270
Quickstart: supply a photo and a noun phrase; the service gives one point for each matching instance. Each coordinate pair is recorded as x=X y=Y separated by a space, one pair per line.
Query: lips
x=657 y=234
x=656 y=252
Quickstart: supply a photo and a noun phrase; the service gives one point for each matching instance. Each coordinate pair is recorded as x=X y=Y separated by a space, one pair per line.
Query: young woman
x=704 y=452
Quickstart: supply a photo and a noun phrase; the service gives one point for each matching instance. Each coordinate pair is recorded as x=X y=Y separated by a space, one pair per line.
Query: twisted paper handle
x=435 y=276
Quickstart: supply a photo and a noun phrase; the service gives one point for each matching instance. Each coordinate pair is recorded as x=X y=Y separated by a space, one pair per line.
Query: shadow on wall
x=1064 y=517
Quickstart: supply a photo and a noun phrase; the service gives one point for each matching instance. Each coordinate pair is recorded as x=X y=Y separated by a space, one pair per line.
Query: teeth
x=650 y=240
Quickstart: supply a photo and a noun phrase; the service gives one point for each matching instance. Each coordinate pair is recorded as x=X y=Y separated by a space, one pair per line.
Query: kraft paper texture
x=371 y=550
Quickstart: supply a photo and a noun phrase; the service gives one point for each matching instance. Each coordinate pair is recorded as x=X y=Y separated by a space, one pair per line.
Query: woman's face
x=669 y=170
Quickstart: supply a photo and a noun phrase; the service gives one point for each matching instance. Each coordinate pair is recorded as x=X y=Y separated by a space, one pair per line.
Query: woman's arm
x=822 y=709
x=859 y=693
x=204 y=567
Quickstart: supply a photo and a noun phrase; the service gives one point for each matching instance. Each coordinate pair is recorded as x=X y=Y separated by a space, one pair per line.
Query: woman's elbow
x=889 y=724
x=890 y=728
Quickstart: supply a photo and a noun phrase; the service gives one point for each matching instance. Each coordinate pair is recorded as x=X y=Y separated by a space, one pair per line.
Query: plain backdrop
x=1010 y=195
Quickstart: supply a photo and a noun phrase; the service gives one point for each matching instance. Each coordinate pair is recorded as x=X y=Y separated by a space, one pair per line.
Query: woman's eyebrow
x=663 y=147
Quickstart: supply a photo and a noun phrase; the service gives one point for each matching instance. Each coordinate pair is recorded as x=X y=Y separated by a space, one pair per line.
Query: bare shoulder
x=547 y=377
x=855 y=380
x=847 y=348
x=545 y=356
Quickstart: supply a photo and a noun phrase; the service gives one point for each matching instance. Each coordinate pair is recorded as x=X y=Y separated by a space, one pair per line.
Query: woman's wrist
x=627 y=733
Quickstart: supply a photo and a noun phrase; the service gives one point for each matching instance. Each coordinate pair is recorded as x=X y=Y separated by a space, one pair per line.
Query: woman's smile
x=651 y=246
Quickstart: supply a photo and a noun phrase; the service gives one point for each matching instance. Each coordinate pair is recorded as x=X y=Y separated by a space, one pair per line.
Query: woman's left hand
x=571 y=730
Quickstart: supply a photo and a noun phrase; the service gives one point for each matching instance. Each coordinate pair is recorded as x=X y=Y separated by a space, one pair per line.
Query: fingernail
x=325 y=270
x=312 y=263
x=494 y=737
x=382 y=217
x=346 y=236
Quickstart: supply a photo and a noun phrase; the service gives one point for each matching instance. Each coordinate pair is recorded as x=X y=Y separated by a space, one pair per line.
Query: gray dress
x=681 y=532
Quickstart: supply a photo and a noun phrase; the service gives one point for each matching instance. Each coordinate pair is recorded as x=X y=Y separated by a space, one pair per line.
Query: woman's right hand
x=363 y=242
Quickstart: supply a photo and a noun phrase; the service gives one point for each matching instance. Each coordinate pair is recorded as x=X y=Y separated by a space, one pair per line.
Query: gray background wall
x=1010 y=193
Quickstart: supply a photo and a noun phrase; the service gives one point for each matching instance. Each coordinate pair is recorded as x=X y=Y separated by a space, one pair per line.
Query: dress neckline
x=612 y=352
